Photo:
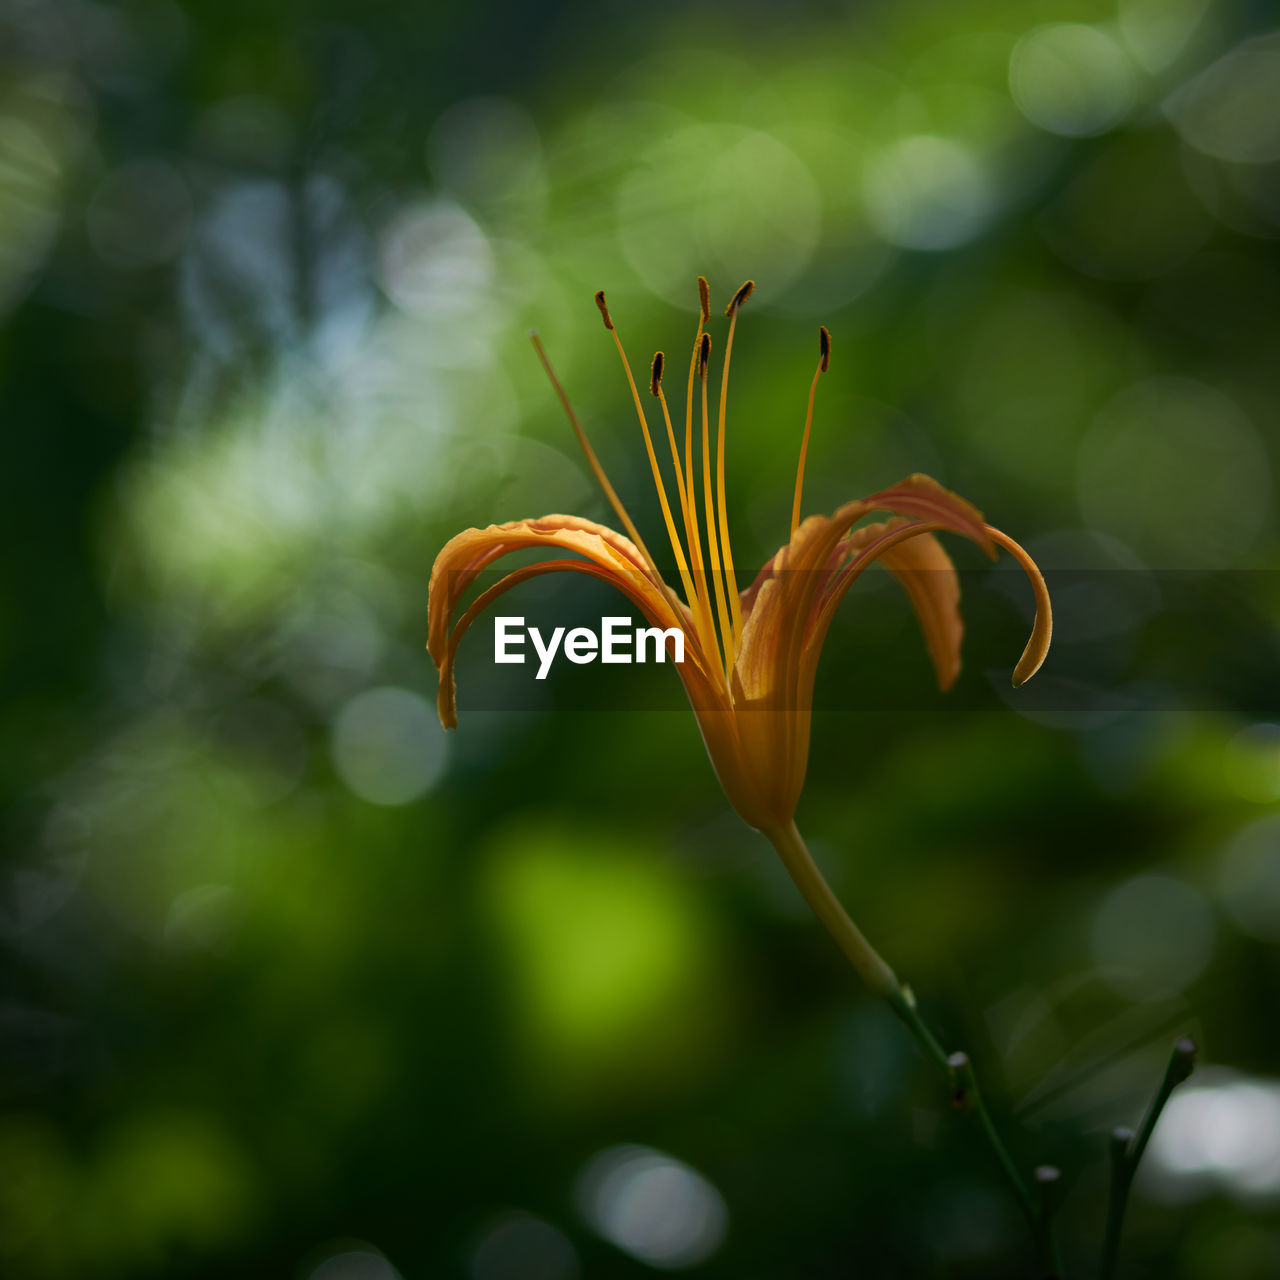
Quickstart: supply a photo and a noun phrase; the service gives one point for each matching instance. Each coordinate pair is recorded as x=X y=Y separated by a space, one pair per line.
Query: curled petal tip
x=1037 y=649
x=1033 y=655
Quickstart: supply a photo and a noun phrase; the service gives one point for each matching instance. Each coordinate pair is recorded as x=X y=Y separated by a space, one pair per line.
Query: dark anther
x=740 y=297
x=655 y=379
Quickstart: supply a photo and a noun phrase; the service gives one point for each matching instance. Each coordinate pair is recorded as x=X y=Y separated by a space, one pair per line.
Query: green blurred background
x=295 y=985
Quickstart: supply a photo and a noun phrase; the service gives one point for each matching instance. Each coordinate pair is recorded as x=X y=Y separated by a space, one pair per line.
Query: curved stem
x=826 y=906
x=873 y=970
x=903 y=1004
x=968 y=1097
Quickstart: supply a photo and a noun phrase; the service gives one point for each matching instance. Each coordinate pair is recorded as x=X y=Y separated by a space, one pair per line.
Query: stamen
x=695 y=547
x=824 y=363
x=707 y=625
x=598 y=471
x=681 y=563
x=713 y=553
x=655 y=388
x=731 y=581
x=740 y=297
x=704 y=293
x=699 y=602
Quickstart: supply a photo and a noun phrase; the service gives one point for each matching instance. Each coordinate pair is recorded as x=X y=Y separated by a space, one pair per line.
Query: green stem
x=968 y=1097
x=1047 y=1178
x=826 y=906
x=903 y=1003
x=1117 y=1197
x=1127 y=1150
x=957 y=1068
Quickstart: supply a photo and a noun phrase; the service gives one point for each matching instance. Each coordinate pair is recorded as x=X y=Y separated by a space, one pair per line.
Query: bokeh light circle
x=721 y=201
x=1071 y=79
x=388 y=746
x=361 y=1263
x=1156 y=32
x=1128 y=214
x=928 y=192
x=1223 y=1132
x=1231 y=110
x=1152 y=936
x=487 y=153
x=1252 y=763
x=519 y=1246
x=1249 y=878
x=1174 y=468
x=652 y=1206
x=436 y=263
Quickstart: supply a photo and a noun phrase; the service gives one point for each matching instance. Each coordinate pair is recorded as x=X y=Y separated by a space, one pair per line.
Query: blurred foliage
x=295 y=986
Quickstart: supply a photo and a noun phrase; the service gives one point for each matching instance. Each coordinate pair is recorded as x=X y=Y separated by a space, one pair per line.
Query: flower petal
x=446 y=696
x=1042 y=629
x=909 y=550
x=922 y=498
x=468 y=554
x=925 y=571
x=773 y=730
x=609 y=558
x=769 y=660
x=915 y=557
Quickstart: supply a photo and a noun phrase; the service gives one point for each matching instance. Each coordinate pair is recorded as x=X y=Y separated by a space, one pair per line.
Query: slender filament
x=804 y=450
x=681 y=563
x=598 y=471
x=695 y=540
x=698 y=602
x=731 y=581
x=713 y=550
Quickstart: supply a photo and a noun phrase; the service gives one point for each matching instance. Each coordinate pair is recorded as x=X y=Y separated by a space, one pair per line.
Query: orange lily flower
x=751 y=656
